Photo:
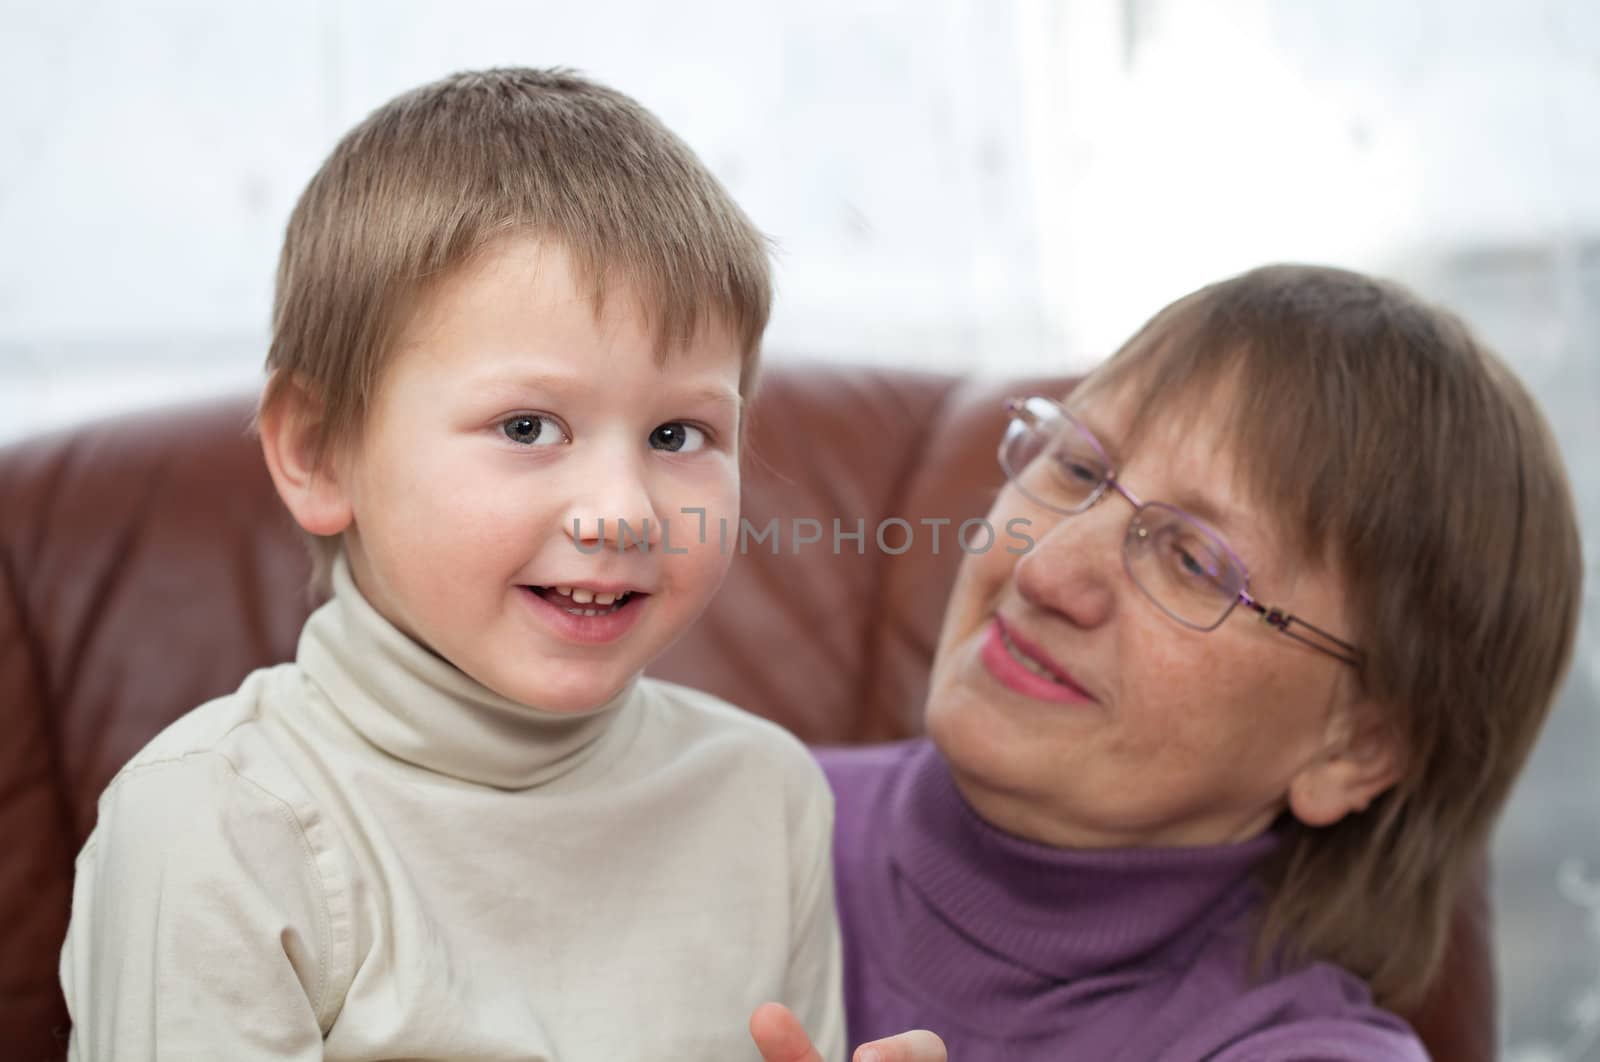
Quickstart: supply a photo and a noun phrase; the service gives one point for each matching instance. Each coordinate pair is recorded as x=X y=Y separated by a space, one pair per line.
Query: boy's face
x=509 y=415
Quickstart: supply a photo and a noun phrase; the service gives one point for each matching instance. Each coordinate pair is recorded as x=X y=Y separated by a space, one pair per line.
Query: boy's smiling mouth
x=582 y=601
x=586 y=615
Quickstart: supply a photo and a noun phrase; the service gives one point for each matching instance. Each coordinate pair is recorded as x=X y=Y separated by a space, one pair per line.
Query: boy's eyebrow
x=717 y=396
x=566 y=383
x=543 y=381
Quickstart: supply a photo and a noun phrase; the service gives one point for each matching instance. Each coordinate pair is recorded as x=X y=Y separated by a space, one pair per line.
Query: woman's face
x=1159 y=734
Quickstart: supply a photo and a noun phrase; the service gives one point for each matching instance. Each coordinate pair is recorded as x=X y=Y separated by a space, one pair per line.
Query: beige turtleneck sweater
x=367 y=855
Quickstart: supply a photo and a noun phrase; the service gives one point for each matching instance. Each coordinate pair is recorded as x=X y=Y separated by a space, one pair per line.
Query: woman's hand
x=779 y=1036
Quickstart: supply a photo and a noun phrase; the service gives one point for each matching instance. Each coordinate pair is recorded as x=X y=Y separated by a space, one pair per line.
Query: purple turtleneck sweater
x=1014 y=950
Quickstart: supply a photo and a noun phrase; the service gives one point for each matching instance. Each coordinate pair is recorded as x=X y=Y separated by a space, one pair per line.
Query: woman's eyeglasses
x=1181 y=564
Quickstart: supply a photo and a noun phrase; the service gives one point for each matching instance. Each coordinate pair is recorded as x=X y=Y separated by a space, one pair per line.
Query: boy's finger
x=918 y=1045
x=779 y=1035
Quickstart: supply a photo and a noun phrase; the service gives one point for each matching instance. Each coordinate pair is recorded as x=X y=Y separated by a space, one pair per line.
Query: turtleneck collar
x=418 y=707
x=1063 y=914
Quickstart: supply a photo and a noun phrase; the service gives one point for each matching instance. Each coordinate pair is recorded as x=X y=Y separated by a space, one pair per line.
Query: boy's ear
x=310 y=489
x=1364 y=758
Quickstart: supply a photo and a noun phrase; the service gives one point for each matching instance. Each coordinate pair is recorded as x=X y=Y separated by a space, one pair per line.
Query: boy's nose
x=612 y=507
x=1075 y=567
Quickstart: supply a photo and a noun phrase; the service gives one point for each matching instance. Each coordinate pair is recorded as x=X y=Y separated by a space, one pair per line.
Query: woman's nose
x=1075 y=567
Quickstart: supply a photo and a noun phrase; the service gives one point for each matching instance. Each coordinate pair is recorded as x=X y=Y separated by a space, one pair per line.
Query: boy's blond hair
x=434 y=175
x=1391 y=446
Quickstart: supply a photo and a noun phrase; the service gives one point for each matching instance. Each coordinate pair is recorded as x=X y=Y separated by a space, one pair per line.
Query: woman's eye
x=1187 y=556
x=677 y=437
x=1079 y=472
x=1075 y=463
x=1190 y=565
x=1195 y=563
x=533 y=429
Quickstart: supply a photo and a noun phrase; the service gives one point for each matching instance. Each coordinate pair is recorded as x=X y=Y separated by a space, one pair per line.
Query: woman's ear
x=1363 y=758
x=307 y=482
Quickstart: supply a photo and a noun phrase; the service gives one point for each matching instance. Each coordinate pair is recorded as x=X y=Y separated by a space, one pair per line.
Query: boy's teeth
x=601 y=603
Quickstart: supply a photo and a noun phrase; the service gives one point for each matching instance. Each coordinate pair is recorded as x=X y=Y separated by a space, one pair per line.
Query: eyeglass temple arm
x=1281 y=620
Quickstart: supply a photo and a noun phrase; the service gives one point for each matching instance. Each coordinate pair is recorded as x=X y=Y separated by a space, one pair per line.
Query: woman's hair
x=435 y=175
x=1397 y=451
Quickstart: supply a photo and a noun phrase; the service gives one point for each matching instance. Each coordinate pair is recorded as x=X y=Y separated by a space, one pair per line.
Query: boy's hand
x=778 y=1034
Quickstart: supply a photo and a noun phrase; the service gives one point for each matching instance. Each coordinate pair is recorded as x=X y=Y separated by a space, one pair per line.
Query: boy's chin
x=530 y=685
x=570 y=701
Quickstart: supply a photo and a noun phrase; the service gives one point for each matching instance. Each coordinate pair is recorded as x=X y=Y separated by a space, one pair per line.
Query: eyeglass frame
x=1276 y=618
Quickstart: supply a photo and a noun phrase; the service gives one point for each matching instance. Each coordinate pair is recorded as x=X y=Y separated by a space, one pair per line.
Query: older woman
x=1207 y=763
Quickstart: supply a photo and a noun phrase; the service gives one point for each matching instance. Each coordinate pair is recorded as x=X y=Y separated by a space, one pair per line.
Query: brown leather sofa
x=146 y=566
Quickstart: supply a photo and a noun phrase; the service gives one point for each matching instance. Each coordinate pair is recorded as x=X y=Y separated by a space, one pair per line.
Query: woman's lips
x=1020 y=666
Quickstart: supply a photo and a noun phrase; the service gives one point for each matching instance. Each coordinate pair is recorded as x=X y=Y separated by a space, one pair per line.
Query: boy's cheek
x=703 y=535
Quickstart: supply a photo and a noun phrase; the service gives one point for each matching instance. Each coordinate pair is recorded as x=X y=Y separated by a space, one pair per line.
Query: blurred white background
x=975 y=185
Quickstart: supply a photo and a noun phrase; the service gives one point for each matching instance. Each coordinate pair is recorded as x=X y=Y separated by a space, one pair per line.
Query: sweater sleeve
x=1328 y=1040
x=815 y=975
x=201 y=925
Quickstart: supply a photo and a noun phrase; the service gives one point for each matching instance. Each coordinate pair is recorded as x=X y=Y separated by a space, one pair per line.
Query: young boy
x=513 y=312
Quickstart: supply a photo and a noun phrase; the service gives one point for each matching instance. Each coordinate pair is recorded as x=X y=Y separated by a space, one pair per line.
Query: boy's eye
x=677 y=437
x=533 y=429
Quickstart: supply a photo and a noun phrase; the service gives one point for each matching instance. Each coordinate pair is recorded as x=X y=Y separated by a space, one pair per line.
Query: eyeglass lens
x=1178 y=564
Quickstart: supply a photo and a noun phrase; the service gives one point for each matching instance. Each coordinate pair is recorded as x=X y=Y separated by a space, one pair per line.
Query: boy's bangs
x=674 y=294
x=670 y=289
